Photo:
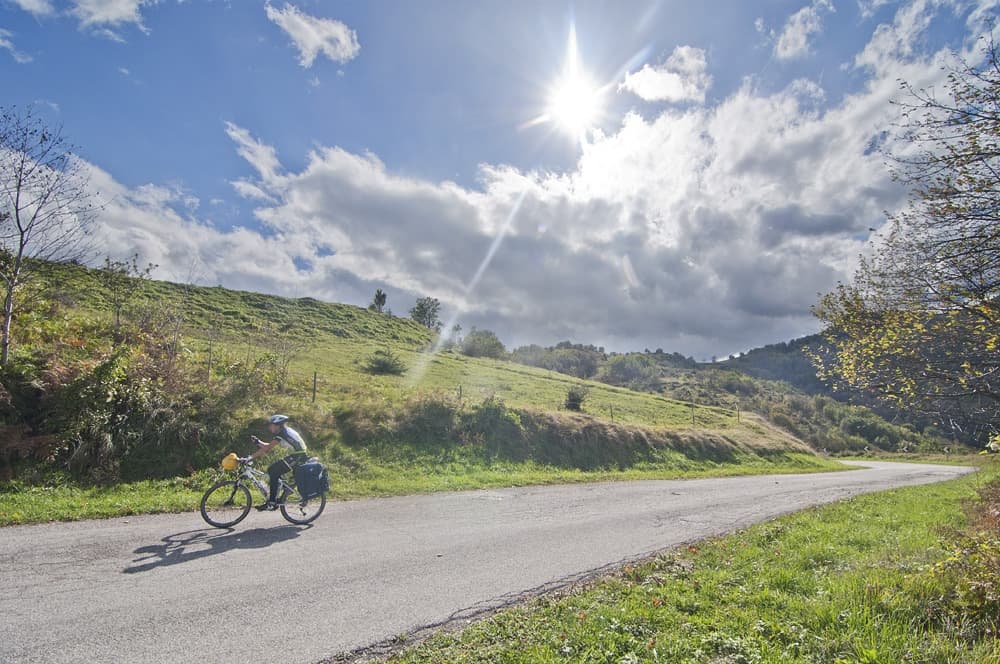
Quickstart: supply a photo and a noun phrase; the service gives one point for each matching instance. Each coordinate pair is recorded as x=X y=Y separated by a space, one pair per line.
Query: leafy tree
x=45 y=206
x=426 y=312
x=532 y=355
x=483 y=343
x=378 y=302
x=633 y=370
x=920 y=325
x=582 y=361
x=122 y=281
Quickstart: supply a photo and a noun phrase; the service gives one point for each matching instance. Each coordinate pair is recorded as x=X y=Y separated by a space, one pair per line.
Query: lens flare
x=416 y=374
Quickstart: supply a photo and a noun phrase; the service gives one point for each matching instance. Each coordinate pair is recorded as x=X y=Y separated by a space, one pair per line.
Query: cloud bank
x=701 y=229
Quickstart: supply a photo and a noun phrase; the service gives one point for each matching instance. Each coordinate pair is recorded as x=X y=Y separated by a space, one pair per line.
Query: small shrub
x=575 y=397
x=384 y=362
x=970 y=575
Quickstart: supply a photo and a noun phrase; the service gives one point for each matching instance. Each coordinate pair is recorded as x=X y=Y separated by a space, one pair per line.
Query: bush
x=122 y=420
x=384 y=362
x=971 y=573
x=483 y=343
x=575 y=397
x=429 y=420
x=496 y=427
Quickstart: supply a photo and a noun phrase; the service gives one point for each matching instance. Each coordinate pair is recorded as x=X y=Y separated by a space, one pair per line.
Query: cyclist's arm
x=263 y=448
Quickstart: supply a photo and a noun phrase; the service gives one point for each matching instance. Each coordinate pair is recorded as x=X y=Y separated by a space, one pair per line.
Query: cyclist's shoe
x=267 y=507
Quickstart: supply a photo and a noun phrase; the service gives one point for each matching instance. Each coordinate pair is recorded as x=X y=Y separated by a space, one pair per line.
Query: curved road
x=166 y=589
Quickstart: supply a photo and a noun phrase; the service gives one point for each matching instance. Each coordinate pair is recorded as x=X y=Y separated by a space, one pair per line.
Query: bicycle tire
x=289 y=507
x=241 y=513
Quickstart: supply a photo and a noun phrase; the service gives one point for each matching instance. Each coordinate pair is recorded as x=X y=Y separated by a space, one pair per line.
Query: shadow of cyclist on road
x=193 y=544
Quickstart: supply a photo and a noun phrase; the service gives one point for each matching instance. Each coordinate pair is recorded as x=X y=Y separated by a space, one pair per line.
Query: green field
x=845 y=583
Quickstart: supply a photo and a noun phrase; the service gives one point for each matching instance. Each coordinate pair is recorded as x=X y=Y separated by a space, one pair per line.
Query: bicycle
x=228 y=501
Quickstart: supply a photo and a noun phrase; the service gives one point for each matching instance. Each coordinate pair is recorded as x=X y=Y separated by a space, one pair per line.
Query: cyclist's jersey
x=290 y=439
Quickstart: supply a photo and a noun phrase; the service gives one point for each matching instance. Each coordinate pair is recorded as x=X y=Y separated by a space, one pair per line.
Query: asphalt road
x=167 y=589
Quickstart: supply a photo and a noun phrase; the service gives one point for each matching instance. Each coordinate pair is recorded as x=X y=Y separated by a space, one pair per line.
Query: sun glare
x=575 y=103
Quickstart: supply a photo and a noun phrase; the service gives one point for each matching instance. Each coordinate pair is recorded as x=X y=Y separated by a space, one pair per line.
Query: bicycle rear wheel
x=299 y=511
x=225 y=504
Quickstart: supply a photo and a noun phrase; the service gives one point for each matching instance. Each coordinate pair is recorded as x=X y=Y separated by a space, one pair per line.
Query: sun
x=575 y=103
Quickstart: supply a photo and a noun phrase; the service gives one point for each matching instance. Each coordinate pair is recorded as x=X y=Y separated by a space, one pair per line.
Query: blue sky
x=329 y=148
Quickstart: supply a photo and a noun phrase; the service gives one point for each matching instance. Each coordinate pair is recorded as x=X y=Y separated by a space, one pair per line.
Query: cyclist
x=288 y=438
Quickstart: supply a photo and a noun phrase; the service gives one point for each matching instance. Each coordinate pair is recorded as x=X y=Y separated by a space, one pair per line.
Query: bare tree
x=122 y=281
x=46 y=206
x=282 y=347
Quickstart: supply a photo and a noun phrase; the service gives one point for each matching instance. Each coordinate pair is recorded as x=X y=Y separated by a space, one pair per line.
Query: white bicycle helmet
x=277 y=419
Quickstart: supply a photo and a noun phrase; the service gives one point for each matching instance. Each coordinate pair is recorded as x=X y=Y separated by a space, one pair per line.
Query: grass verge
x=847 y=582
x=354 y=477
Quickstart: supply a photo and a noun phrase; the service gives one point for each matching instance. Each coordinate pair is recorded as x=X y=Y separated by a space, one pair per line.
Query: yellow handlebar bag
x=229 y=461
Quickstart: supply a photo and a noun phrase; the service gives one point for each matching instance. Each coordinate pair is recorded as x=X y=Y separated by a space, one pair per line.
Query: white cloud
x=793 y=42
x=106 y=14
x=893 y=42
x=7 y=44
x=36 y=7
x=869 y=7
x=100 y=17
x=313 y=36
x=681 y=78
x=263 y=158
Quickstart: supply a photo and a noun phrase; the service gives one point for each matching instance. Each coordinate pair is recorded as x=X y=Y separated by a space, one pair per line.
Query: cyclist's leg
x=294 y=460
x=274 y=472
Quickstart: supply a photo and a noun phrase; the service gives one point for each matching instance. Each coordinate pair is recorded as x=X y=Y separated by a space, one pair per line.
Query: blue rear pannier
x=312 y=479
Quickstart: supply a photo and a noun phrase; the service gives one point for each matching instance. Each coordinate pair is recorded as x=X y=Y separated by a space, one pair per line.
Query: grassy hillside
x=333 y=341
x=776 y=382
x=86 y=407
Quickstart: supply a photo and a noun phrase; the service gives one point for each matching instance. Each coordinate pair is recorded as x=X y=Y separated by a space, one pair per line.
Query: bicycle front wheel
x=300 y=511
x=225 y=504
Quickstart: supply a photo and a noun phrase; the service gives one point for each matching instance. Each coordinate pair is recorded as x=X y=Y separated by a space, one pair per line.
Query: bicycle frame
x=250 y=474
